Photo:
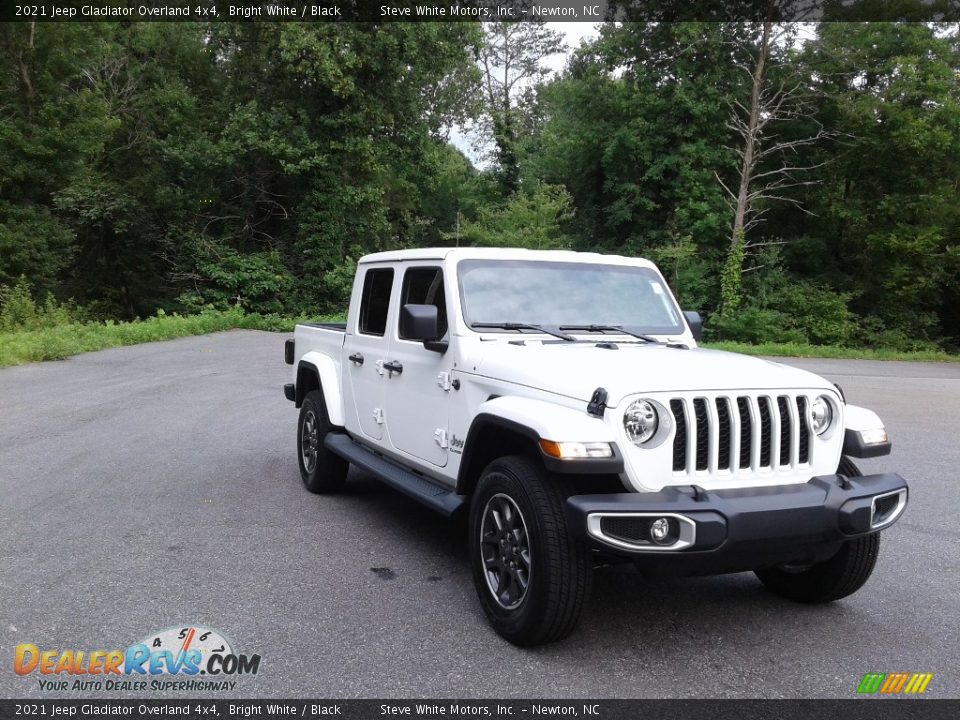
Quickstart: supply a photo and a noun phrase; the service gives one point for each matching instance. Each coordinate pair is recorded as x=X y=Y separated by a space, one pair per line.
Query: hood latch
x=598 y=403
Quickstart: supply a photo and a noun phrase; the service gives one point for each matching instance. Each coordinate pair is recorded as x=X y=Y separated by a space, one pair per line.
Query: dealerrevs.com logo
x=189 y=658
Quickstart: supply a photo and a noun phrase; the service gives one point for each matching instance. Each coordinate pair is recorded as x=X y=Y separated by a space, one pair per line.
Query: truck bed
x=342 y=327
x=325 y=338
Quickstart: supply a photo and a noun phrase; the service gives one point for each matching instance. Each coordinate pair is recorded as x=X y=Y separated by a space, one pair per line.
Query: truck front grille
x=747 y=433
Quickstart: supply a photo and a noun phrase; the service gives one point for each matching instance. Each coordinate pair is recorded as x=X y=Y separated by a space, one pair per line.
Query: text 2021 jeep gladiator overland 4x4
x=560 y=398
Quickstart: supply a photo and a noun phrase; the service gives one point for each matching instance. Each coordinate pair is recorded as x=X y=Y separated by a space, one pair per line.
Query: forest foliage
x=187 y=166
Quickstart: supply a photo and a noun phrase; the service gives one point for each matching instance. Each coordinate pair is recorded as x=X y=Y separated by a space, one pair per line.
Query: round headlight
x=641 y=421
x=821 y=415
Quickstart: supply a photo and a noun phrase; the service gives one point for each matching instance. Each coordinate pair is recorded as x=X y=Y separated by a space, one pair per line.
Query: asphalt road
x=156 y=486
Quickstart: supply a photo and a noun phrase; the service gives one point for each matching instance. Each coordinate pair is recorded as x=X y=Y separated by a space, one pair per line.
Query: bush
x=778 y=308
x=874 y=332
x=754 y=325
x=817 y=312
x=18 y=311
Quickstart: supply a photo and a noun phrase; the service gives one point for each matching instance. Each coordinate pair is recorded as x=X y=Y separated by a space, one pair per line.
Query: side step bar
x=434 y=496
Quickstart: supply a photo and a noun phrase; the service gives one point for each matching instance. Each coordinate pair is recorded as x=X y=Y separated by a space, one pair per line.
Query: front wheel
x=531 y=573
x=840 y=576
x=320 y=470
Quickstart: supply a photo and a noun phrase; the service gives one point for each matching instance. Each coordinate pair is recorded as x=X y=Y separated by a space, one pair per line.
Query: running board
x=434 y=496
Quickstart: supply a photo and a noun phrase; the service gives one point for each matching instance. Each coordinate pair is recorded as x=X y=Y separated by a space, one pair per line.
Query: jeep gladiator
x=561 y=401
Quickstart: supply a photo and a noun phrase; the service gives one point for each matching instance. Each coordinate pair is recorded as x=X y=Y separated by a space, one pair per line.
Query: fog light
x=660 y=530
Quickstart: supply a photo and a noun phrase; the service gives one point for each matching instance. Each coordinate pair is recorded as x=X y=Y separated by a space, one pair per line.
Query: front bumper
x=733 y=530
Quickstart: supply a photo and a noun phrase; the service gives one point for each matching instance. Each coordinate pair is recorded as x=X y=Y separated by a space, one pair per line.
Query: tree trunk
x=24 y=69
x=749 y=145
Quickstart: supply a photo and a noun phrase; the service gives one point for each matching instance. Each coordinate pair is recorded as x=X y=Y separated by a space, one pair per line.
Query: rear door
x=417 y=399
x=365 y=349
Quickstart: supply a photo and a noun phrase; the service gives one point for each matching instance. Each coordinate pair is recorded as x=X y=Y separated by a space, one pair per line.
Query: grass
x=829 y=351
x=61 y=341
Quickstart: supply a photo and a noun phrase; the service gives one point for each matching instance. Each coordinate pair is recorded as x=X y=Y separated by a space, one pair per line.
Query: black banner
x=477 y=10
x=863 y=709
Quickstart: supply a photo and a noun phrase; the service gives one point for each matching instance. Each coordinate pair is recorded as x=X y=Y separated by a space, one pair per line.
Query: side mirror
x=421 y=322
x=695 y=322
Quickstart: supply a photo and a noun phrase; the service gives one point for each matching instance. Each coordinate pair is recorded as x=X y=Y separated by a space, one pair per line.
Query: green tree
x=511 y=59
x=888 y=212
x=531 y=218
x=636 y=130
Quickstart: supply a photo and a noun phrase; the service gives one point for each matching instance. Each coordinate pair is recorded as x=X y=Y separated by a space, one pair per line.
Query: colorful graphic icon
x=894 y=683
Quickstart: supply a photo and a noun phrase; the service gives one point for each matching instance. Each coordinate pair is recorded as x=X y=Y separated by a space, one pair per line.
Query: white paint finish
x=545 y=386
x=859 y=418
x=548 y=420
x=576 y=370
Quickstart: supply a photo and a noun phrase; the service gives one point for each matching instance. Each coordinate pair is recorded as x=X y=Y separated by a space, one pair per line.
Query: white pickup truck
x=561 y=400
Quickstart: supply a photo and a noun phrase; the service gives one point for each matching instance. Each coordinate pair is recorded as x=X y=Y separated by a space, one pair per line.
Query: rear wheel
x=531 y=573
x=320 y=470
x=840 y=576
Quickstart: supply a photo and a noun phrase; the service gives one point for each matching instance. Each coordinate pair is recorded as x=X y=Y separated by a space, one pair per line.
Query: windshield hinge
x=598 y=403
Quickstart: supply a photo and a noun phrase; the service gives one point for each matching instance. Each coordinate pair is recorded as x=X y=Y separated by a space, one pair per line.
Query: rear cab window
x=375 y=301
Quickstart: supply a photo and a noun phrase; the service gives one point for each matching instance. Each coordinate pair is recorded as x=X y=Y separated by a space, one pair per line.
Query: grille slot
x=680 y=439
x=700 y=411
x=741 y=434
x=723 y=422
x=785 y=425
x=746 y=431
x=765 y=431
x=804 y=430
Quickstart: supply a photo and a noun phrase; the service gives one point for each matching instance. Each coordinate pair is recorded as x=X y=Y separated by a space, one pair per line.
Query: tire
x=833 y=579
x=321 y=471
x=539 y=599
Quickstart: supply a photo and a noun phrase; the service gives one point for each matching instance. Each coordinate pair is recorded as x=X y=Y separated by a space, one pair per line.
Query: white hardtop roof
x=490 y=253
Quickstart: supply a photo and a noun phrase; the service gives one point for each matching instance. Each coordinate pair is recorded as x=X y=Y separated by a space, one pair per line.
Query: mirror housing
x=421 y=322
x=695 y=322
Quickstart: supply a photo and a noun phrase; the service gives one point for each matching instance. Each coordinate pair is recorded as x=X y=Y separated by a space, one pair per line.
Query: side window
x=424 y=286
x=375 y=301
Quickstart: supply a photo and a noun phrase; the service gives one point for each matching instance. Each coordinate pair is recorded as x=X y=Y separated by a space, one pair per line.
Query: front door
x=417 y=399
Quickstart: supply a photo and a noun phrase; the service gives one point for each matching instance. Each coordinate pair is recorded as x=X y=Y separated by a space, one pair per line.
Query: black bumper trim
x=290 y=392
x=747 y=528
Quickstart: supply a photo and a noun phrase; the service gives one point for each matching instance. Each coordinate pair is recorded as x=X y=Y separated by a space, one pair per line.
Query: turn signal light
x=574 y=450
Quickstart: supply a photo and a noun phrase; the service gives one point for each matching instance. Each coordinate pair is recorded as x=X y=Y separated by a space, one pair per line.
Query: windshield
x=554 y=294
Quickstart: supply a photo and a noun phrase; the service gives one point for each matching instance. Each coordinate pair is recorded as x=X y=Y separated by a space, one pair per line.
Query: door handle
x=356 y=358
x=393 y=366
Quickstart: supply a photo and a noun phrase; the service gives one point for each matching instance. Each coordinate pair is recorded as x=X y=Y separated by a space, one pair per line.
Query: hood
x=576 y=370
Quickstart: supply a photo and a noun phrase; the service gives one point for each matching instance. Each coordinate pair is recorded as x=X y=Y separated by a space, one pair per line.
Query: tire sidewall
x=330 y=472
x=834 y=578
x=311 y=404
x=501 y=478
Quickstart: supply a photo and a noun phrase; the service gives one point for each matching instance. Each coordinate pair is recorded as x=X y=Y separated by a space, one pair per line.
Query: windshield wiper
x=523 y=326
x=610 y=328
